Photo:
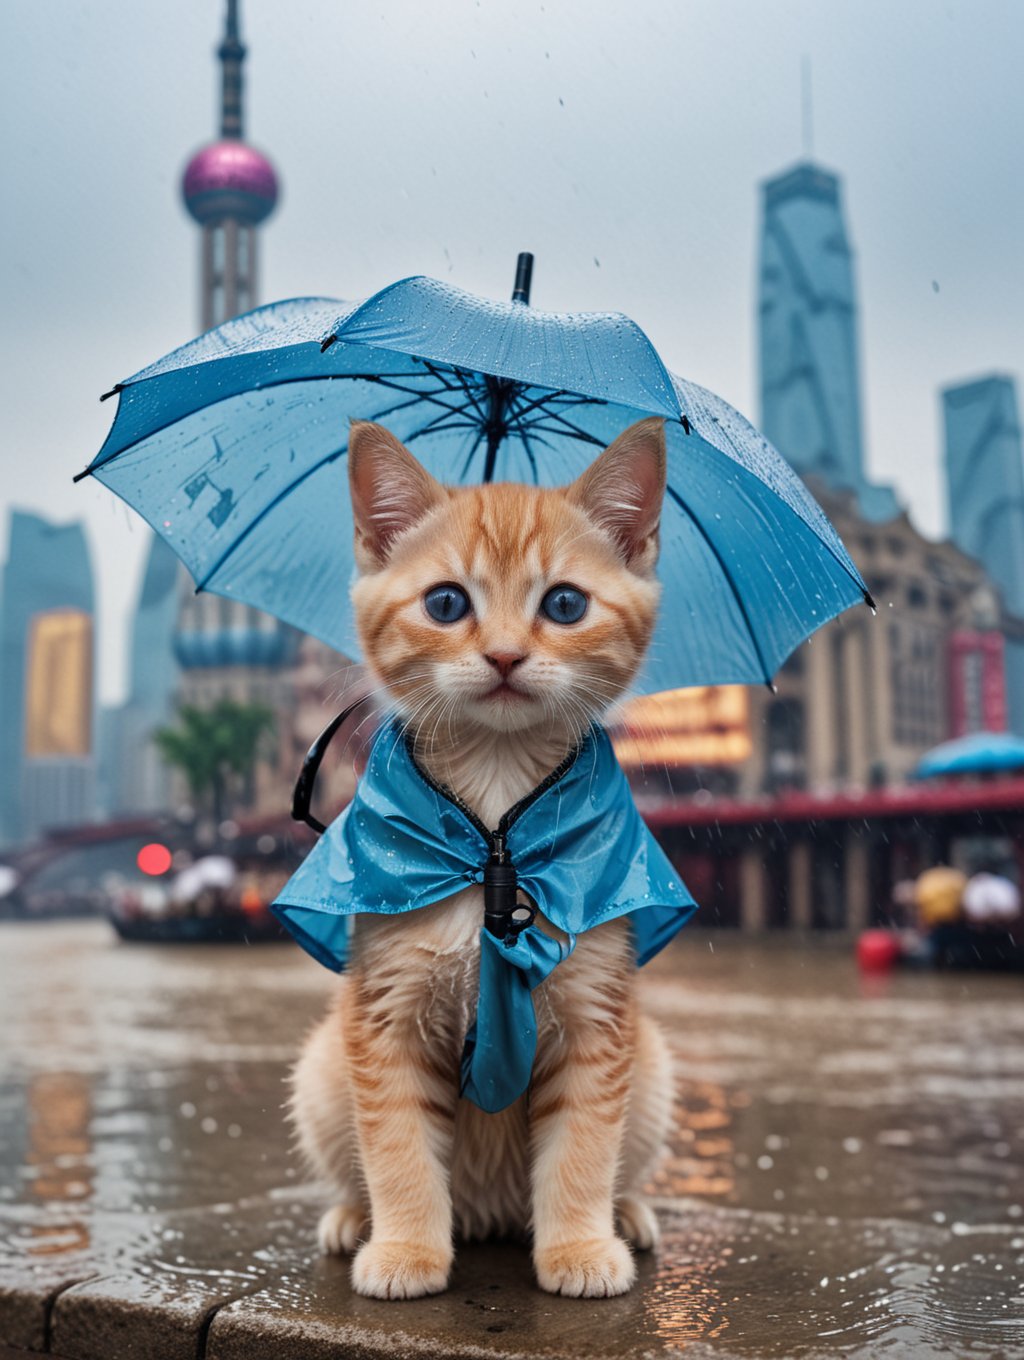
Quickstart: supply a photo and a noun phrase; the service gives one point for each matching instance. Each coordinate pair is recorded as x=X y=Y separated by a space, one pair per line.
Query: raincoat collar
x=579 y=851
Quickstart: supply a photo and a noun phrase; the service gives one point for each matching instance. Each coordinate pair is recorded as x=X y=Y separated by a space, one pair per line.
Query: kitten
x=494 y=700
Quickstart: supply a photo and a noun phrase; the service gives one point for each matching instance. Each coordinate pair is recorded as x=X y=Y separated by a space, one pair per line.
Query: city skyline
x=603 y=198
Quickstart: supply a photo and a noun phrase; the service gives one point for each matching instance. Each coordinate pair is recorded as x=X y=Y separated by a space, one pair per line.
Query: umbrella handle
x=302 y=797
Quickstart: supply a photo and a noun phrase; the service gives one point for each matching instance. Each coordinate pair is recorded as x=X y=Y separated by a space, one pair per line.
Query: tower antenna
x=232 y=54
x=807 y=107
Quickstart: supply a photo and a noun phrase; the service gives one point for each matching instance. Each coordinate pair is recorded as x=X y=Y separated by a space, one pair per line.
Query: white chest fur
x=492 y=771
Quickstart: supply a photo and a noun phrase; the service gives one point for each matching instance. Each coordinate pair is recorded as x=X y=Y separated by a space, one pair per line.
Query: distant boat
x=223 y=926
x=212 y=901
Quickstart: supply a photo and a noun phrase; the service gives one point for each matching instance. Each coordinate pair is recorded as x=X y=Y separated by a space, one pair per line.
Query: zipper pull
x=504 y=913
x=500 y=884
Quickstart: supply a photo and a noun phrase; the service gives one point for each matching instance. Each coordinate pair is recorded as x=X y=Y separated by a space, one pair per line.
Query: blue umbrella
x=233 y=448
x=978 y=753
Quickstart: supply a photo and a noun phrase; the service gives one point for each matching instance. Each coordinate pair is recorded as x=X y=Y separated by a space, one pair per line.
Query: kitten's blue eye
x=564 y=604
x=446 y=604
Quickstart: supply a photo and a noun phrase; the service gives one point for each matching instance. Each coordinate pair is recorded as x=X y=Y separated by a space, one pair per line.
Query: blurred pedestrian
x=938 y=895
x=991 y=899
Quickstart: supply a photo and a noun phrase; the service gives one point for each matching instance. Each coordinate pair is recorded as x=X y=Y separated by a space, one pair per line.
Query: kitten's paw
x=589 y=1270
x=341 y=1229
x=399 y=1270
x=638 y=1223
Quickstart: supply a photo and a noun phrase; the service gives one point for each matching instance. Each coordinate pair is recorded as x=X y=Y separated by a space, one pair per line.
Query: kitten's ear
x=623 y=488
x=390 y=491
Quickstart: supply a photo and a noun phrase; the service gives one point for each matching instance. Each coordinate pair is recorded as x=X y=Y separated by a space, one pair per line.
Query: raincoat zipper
x=504 y=915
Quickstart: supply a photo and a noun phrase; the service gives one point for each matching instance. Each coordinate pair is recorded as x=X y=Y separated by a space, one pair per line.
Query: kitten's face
x=507 y=606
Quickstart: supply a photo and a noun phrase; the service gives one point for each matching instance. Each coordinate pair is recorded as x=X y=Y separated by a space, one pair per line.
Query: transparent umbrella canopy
x=234 y=446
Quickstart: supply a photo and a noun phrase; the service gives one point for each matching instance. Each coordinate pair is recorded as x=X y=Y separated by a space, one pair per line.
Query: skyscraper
x=985 y=480
x=150 y=679
x=46 y=679
x=133 y=778
x=808 y=346
x=985 y=495
x=224 y=648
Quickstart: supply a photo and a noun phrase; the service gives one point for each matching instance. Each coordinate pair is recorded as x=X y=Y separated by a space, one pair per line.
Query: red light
x=154 y=859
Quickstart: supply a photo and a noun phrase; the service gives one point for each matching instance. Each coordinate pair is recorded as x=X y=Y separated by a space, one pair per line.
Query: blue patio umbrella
x=977 y=753
x=233 y=448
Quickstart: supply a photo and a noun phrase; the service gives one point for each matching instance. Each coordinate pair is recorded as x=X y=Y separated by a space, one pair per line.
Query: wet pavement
x=846 y=1176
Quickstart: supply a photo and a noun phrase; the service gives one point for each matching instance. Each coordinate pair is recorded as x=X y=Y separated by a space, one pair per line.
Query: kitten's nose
x=504 y=662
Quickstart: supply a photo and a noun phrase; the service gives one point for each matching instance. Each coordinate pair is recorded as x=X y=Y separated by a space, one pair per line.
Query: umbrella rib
x=438 y=373
x=529 y=453
x=550 y=414
x=437 y=424
x=464 y=383
x=434 y=398
x=574 y=430
x=286 y=491
x=442 y=377
x=271 y=505
x=472 y=452
x=671 y=491
x=404 y=406
x=381 y=379
x=547 y=399
x=518 y=426
x=440 y=428
x=567 y=398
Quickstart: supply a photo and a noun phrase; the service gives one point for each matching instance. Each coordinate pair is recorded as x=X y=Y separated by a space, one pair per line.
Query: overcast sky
x=623 y=143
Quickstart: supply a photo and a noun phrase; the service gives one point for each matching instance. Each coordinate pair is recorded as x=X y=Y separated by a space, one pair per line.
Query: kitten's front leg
x=578 y=1109
x=404 y=1108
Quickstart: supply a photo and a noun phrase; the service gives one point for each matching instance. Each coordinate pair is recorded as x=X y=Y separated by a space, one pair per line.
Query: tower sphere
x=229 y=179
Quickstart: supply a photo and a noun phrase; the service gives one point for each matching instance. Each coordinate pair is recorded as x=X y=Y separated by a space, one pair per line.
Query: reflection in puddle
x=60 y=1151
x=701 y=1147
x=683 y=1303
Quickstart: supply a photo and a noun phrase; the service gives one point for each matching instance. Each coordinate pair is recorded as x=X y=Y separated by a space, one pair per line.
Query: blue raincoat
x=575 y=847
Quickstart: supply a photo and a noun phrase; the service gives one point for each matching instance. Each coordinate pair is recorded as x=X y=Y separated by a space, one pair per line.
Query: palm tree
x=217 y=750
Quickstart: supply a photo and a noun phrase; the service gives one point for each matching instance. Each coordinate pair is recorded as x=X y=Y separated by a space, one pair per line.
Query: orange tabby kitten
x=494 y=700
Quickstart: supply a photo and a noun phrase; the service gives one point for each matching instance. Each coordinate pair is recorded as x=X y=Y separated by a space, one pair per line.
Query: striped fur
x=375 y=1093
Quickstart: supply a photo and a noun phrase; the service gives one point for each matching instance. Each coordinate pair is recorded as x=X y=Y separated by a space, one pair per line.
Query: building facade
x=859 y=704
x=808 y=336
x=985 y=496
x=861 y=701
x=47 y=679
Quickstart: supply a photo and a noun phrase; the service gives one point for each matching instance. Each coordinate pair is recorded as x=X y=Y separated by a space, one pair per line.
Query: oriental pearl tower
x=229 y=188
x=225 y=649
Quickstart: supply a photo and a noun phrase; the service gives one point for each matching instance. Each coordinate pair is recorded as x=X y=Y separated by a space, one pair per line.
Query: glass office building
x=807 y=336
x=985 y=496
x=47 y=690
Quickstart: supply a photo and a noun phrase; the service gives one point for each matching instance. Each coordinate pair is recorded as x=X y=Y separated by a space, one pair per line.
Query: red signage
x=977 y=683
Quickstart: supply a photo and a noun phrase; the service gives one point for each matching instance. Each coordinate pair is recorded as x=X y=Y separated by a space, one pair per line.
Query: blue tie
x=498 y=1055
